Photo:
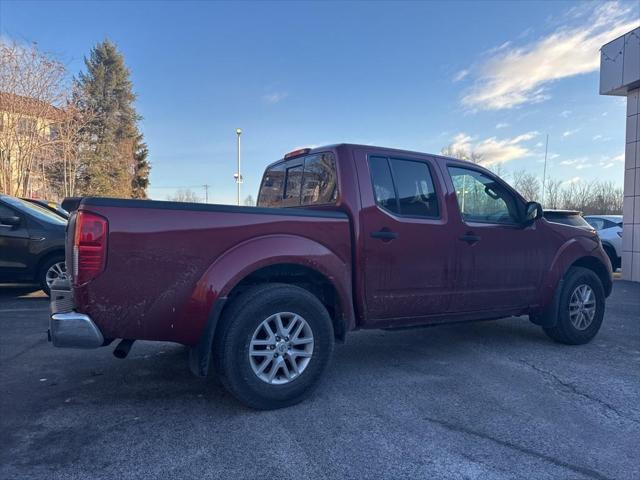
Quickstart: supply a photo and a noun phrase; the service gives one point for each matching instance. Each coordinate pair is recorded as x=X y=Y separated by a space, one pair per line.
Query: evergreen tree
x=140 y=180
x=114 y=142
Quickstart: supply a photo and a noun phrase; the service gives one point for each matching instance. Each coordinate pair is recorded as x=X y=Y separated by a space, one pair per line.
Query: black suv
x=31 y=243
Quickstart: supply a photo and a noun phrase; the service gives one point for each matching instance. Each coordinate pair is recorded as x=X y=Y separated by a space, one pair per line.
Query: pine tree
x=140 y=180
x=114 y=140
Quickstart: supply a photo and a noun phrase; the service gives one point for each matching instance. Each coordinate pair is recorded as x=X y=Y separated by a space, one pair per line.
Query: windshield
x=36 y=211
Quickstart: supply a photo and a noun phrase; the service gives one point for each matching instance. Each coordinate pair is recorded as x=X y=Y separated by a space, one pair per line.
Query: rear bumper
x=67 y=328
x=74 y=330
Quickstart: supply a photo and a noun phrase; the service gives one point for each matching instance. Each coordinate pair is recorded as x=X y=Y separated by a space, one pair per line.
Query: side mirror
x=10 y=221
x=532 y=212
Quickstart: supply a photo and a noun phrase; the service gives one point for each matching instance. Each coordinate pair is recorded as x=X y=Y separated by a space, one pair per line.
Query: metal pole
x=206 y=193
x=544 y=172
x=238 y=174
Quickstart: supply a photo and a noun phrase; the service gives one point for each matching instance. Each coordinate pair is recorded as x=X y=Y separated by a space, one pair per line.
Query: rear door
x=407 y=256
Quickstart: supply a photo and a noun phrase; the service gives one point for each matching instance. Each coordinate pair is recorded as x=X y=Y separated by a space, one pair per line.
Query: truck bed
x=159 y=252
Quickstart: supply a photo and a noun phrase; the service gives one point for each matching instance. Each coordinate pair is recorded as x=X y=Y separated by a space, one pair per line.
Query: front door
x=500 y=262
x=407 y=257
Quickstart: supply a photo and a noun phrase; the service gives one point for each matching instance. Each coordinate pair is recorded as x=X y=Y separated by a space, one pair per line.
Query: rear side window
x=601 y=223
x=311 y=180
x=404 y=187
x=320 y=182
x=575 y=220
x=272 y=186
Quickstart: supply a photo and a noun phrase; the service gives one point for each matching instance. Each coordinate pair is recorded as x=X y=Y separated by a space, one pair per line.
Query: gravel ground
x=491 y=400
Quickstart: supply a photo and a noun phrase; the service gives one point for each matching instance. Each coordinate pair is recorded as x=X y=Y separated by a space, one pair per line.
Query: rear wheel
x=51 y=270
x=580 y=308
x=273 y=347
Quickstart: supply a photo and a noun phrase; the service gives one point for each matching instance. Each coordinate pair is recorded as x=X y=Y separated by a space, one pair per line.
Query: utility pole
x=544 y=172
x=206 y=192
x=238 y=175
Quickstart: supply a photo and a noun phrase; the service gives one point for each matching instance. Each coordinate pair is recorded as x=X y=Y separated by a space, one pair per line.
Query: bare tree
x=552 y=194
x=69 y=144
x=249 y=201
x=32 y=89
x=454 y=151
x=527 y=184
x=185 y=196
x=605 y=199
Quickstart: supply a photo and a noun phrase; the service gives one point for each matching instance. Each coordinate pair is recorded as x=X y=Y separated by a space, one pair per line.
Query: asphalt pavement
x=490 y=400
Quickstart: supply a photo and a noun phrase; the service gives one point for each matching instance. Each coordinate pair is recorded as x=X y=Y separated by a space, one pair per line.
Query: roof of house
x=10 y=102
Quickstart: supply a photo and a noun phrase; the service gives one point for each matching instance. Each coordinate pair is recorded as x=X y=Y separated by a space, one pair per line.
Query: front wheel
x=273 y=346
x=580 y=308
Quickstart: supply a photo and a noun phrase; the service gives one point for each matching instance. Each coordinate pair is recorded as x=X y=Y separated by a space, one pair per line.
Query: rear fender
x=249 y=256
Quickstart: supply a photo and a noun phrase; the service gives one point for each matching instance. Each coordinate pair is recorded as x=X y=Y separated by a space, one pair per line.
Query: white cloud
x=513 y=76
x=565 y=113
x=601 y=138
x=502 y=125
x=572 y=180
x=577 y=163
x=618 y=158
x=275 y=97
x=494 y=150
x=568 y=133
x=460 y=75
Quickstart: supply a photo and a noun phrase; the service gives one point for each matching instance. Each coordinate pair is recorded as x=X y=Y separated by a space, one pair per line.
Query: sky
x=495 y=77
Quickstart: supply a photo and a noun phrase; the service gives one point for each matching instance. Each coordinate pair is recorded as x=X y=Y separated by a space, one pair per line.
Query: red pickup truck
x=344 y=237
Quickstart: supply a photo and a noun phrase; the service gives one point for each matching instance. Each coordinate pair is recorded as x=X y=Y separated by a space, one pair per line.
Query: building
x=28 y=135
x=620 y=75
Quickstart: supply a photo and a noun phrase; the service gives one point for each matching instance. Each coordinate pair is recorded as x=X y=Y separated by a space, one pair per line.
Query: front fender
x=249 y=256
x=571 y=251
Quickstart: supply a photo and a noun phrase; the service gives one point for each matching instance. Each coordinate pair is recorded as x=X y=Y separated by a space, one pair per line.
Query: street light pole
x=238 y=175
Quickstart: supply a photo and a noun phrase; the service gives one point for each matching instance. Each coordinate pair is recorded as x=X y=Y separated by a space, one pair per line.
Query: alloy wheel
x=56 y=271
x=582 y=307
x=281 y=348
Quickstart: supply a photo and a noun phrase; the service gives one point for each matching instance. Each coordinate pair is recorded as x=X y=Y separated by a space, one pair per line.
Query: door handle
x=385 y=235
x=470 y=238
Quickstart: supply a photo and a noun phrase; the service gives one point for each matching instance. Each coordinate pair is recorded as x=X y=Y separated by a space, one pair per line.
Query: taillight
x=89 y=247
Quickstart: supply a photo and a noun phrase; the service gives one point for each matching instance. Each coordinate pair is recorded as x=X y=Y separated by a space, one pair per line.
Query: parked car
x=53 y=206
x=609 y=228
x=344 y=237
x=31 y=243
x=567 y=217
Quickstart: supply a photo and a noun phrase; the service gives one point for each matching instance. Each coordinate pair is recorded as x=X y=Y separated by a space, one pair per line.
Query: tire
x=51 y=266
x=583 y=328
x=243 y=323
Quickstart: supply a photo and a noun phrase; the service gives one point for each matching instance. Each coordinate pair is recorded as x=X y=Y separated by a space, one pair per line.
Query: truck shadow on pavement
x=158 y=373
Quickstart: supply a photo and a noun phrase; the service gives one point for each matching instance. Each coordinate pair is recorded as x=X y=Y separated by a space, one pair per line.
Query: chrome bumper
x=75 y=330
x=68 y=328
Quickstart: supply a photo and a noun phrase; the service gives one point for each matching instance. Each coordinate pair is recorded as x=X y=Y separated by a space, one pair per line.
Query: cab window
x=481 y=198
x=404 y=187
